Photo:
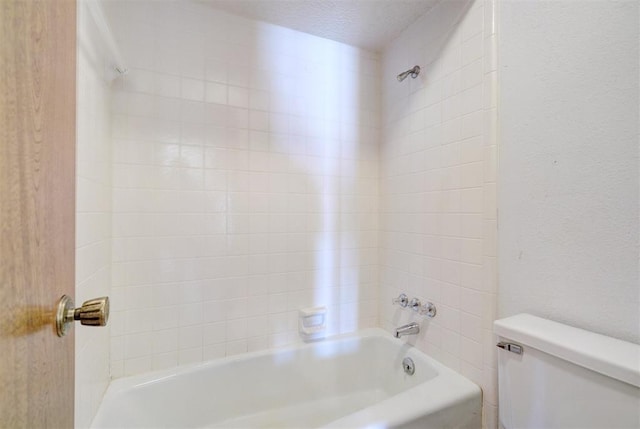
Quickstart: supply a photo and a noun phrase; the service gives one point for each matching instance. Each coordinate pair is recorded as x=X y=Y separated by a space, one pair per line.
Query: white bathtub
x=349 y=382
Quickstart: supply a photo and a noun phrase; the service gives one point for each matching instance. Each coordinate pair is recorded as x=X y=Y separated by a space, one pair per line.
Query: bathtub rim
x=150 y=377
x=405 y=406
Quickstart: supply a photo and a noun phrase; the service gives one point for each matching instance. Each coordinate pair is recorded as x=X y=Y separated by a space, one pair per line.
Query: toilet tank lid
x=609 y=356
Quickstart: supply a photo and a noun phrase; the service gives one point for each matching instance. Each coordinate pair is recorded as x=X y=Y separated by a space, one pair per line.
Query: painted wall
x=437 y=187
x=93 y=214
x=568 y=199
x=245 y=174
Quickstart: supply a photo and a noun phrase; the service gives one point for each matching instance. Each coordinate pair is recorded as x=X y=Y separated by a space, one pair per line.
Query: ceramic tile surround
x=437 y=187
x=251 y=177
x=245 y=185
x=93 y=215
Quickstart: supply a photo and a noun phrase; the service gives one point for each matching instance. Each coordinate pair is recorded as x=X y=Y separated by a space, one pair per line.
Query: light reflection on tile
x=237 y=158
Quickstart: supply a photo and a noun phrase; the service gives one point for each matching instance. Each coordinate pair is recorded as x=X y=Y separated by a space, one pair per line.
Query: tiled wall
x=93 y=214
x=245 y=172
x=437 y=182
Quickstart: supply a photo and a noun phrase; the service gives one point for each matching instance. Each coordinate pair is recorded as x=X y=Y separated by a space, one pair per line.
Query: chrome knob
x=415 y=304
x=94 y=312
x=402 y=300
x=428 y=309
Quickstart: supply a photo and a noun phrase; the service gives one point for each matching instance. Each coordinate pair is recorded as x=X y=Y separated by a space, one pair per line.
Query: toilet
x=554 y=376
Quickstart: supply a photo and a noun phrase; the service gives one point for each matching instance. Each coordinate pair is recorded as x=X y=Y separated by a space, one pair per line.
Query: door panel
x=37 y=210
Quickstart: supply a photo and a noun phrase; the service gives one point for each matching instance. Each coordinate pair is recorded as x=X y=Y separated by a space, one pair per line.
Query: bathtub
x=351 y=381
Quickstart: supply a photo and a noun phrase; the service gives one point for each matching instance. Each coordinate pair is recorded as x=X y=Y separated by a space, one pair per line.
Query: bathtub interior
x=305 y=387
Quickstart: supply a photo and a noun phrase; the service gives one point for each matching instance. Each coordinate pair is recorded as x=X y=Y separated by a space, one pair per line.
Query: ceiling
x=369 y=24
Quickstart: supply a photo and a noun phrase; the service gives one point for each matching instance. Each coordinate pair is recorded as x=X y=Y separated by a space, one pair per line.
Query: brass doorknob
x=94 y=312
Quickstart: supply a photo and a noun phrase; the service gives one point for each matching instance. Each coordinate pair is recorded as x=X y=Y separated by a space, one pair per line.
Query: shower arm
x=413 y=72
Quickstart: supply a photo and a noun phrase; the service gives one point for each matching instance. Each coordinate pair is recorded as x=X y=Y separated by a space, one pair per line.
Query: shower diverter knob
x=428 y=309
x=94 y=312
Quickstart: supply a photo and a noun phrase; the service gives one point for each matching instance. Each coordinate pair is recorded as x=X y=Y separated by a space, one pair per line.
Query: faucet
x=408 y=329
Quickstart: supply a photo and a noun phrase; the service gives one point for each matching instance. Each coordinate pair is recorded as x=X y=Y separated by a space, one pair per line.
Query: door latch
x=94 y=312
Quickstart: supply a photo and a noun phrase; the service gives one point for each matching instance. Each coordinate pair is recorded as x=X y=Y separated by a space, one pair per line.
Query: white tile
x=238 y=97
x=164 y=360
x=237 y=117
x=214 y=311
x=473 y=21
x=138 y=345
x=216 y=93
x=187 y=356
x=165 y=341
x=472 y=75
x=490 y=61
x=167 y=85
x=472 y=49
x=216 y=70
x=472 y=125
x=214 y=351
x=253 y=170
x=470 y=324
x=192 y=89
x=236 y=347
x=236 y=329
x=137 y=365
x=489 y=17
x=190 y=337
x=259 y=121
x=257 y=343
x=259 y=100
x=236 y=309
x=471 y=351
x=214 y=333
x=190 y=314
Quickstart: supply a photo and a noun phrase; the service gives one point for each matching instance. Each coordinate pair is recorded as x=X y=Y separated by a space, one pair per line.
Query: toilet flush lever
x=94 y=312
x=510 y=347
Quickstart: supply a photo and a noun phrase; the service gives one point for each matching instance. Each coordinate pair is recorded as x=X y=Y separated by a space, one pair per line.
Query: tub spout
x=408 y=329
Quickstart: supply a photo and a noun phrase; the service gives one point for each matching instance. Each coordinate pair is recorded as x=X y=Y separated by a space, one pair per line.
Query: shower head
x=414 y=72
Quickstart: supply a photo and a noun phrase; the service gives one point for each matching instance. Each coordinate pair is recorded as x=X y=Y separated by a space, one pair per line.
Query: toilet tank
x=565 y=377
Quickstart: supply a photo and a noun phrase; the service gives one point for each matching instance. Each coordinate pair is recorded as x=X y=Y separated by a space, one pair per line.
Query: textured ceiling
x=369 y=24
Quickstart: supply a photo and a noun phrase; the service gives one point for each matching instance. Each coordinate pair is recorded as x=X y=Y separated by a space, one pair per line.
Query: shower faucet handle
x=402 y=300
x=428 y=309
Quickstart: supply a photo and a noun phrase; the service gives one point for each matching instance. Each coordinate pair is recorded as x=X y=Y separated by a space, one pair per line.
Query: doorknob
x=94 y=312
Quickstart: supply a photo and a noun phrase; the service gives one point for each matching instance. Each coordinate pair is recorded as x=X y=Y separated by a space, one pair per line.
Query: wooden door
x=37 y=206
